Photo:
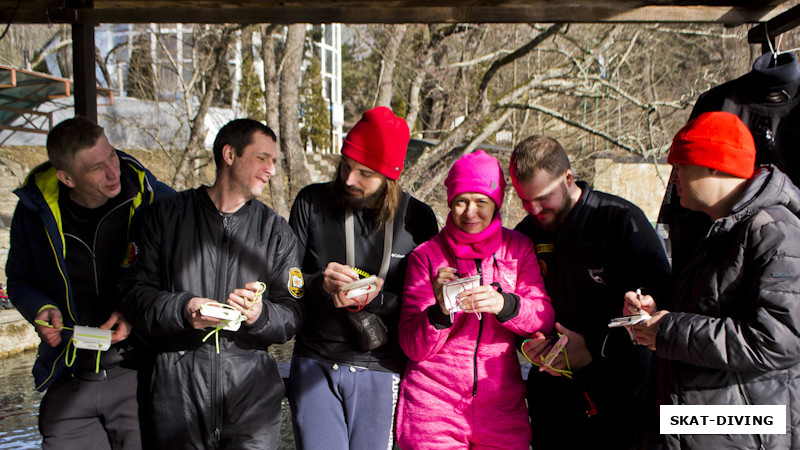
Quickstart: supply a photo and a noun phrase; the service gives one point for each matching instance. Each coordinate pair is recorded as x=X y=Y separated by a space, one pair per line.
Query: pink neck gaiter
x=472 y=246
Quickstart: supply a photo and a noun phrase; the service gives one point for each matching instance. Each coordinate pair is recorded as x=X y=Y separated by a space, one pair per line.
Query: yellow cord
x=262 y=287
x=362 y=273
x=69 y=361
x=567 y=373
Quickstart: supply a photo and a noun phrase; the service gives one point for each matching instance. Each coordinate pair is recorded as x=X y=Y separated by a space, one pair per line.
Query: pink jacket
x=465 y=380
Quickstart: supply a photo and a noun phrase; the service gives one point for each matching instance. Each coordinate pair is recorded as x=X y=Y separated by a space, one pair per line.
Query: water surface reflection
x=19 y=404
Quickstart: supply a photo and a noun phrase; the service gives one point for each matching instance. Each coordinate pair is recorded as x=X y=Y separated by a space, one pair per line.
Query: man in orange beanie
x=347 y=362
x=733 y=334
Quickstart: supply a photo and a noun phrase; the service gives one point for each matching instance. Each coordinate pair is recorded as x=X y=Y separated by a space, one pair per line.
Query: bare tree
x=197 y=131
x=433 y=164
x=597 y=87
x=196 y=87
x=277 y=184
x=394 y=36
x=297 y=174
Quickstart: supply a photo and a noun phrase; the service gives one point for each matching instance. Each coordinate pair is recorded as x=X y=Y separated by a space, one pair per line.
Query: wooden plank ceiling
x=388 y=11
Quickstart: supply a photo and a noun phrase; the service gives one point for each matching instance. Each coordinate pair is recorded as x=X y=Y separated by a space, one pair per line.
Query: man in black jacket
x=347 y=360
x=592 y=247
x=732 y=336
x=68 y=238
x=215 y=385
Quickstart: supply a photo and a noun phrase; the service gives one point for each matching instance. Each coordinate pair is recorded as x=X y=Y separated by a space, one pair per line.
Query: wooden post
x=83 y=67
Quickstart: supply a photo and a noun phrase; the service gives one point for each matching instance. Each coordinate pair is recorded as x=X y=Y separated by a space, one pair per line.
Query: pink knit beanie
x=379 y=141
x=717 y=140
x=476 y=172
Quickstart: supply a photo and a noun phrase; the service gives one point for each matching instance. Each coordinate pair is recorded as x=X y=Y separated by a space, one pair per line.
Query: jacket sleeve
x=281 y=316
x=535 y=310
x=148 y=307
x=645 y=261
x=24 y=285
x=419 y=339
x=767 y=336
x=299 y=222
x=639 y=262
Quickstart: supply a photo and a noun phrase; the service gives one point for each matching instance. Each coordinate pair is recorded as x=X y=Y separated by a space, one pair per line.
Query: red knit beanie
x=717 y=140
x=379 y=141
x=476 y=172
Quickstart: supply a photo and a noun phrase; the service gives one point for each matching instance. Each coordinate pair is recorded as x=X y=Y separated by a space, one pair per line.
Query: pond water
x=19 y=405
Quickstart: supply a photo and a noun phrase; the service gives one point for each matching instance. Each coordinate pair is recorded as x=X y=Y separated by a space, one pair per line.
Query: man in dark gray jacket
x=732 y=336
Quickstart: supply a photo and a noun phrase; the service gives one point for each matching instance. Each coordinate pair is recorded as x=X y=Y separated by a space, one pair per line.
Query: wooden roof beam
x=770 y=29
x=390 y=12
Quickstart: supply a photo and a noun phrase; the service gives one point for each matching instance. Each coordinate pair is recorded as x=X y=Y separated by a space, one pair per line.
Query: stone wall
x=16 y=334
x=642 y=183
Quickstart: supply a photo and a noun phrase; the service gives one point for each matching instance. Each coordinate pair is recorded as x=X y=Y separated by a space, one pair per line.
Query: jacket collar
x=768 y=187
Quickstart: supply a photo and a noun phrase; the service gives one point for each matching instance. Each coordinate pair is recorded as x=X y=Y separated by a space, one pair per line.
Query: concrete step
x=322 y=167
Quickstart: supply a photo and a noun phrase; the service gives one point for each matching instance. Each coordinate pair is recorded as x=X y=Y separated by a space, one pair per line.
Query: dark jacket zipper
x=477 y=341
x=217 y=363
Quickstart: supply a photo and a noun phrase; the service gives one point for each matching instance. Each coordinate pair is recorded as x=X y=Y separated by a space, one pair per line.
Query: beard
x=354 y=198
x=561 y=213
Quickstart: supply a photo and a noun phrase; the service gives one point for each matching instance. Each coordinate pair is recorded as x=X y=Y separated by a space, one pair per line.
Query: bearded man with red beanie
x=732 y=334
x=347 y=362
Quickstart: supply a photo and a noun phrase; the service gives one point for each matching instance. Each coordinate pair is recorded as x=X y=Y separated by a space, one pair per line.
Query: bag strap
x=349 y=237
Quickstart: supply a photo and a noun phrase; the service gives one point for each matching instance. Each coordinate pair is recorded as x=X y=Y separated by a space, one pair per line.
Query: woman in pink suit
x=463 y=387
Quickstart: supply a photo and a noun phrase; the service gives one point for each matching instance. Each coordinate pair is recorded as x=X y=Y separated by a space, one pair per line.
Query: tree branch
x=520 y=52
x=573 y=123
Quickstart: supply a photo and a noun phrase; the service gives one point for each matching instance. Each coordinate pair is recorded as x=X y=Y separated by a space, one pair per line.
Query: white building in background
x=171 y=55
x=330 y=55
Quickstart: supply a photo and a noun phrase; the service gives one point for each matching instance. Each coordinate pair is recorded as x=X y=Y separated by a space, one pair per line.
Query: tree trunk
x=186 y=175
x=289 y=115
x=413 y=100
x=277 y=184
x=395 y=34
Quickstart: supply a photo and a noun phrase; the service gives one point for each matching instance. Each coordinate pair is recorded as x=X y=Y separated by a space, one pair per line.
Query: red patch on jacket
x=130 y=254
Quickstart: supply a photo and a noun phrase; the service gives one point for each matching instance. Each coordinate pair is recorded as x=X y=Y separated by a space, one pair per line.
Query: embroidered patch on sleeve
x=296 y=282
x=545 y=248
x=130 y=255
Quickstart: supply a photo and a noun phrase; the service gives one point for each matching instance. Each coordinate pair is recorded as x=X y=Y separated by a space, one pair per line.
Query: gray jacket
x=734 y=338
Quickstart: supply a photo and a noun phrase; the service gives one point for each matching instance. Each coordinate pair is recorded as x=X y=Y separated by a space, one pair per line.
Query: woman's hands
x=481 y=299
x=477 y=300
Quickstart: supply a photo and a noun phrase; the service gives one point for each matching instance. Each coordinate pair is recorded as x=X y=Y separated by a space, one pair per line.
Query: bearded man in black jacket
x=215 y=385
x=592 y=247
x=347 y=362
